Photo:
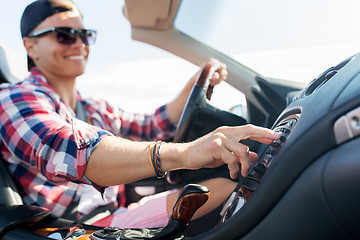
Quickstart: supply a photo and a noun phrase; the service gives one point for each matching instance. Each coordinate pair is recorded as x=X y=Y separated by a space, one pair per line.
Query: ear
x=29 y=45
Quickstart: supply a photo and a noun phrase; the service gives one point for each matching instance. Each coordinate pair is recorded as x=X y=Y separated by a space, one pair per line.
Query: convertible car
x=303 y=186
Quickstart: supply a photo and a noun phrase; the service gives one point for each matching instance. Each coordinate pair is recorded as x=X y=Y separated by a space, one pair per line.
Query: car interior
x=303 y=186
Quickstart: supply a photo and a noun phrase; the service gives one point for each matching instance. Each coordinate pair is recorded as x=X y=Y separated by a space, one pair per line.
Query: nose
x=79 y=42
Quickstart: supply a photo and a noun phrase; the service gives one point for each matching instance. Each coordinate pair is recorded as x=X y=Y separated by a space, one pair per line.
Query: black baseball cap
x=33 y=15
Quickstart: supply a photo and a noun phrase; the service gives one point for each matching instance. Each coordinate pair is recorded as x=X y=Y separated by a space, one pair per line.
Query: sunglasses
x=68 y=36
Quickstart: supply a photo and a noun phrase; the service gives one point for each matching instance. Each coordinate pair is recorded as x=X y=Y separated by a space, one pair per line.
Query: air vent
x=324 y=77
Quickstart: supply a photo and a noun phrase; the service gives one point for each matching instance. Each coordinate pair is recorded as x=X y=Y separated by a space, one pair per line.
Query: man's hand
x=223 y=146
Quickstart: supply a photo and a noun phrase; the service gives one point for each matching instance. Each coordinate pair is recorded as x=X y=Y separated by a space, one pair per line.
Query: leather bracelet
x=149 y=150
x=154 y=158
x=160 y=173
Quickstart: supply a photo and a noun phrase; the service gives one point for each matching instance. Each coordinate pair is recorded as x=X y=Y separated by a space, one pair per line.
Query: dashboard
x=297 y=179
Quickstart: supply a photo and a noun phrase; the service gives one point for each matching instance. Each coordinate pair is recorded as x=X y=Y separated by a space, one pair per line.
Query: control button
x=282 y=138
x=266 y=159
x=276 y=144
x=107 y=233
x=260 y=168
x=251 y=183
x=270 y=151
x=285 y=130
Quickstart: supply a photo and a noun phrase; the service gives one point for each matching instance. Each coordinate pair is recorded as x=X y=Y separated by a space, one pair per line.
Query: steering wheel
x=198 y=118
x=198 y=98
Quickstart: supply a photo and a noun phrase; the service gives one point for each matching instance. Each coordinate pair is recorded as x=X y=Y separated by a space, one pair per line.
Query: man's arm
x=117 y=161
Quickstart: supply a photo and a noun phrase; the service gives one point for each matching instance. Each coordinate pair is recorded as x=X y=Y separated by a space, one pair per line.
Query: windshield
x=294 y=40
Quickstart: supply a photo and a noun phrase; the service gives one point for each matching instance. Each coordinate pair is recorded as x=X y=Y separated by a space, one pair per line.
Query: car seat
x=13 y=66
x=9 y=193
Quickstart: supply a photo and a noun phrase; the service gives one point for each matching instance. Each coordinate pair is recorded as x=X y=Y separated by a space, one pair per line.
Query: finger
x=213 y=61
x=259 y=133
x=244 y=157
x=230 y=159
x=250 y=132
x=262 y=140
x=253 y=156
x=215 y=79
x=223 y=72
x=241 y=151
x=233 y=166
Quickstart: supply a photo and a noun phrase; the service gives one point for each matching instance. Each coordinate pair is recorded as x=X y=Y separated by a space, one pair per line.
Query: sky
x=282 y=38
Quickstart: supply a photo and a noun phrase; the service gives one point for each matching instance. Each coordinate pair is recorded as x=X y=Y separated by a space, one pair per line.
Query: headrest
x=12 y=65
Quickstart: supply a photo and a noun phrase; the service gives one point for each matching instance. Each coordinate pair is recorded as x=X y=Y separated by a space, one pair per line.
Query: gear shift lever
x=190 y=199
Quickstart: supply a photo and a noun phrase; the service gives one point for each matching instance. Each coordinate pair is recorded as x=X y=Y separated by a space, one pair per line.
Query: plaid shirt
x=47 y=147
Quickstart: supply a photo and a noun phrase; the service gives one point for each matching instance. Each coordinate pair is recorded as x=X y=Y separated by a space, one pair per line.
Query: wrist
x=172 y=156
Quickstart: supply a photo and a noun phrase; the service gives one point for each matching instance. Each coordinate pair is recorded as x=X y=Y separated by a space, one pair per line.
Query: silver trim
x=347 y=126
x=228 y=203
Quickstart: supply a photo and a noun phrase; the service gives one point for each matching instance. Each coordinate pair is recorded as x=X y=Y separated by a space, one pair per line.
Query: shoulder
x=34 y=84
x=28 y=91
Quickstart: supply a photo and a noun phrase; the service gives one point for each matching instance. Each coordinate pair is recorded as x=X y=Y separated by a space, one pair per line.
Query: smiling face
x=55 y=59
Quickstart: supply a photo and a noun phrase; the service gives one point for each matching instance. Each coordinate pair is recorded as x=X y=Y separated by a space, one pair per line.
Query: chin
x=76 y=72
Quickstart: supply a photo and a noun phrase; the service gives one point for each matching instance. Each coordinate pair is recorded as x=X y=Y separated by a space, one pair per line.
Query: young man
x=54 y=156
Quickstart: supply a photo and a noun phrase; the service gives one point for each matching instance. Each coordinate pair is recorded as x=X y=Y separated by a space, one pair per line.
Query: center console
x=249 y=185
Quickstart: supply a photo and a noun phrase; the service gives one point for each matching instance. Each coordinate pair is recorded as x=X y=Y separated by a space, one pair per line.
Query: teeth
x=76 y=57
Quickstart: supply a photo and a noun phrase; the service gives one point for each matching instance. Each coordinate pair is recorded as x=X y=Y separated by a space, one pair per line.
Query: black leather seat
x=9 y=193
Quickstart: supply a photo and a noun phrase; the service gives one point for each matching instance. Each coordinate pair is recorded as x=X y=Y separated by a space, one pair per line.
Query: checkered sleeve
x=147 y=127
x=34 y=129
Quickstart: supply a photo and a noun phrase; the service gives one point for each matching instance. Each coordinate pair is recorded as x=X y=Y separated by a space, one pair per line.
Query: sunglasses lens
x=88 y=37
x=66 y=36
